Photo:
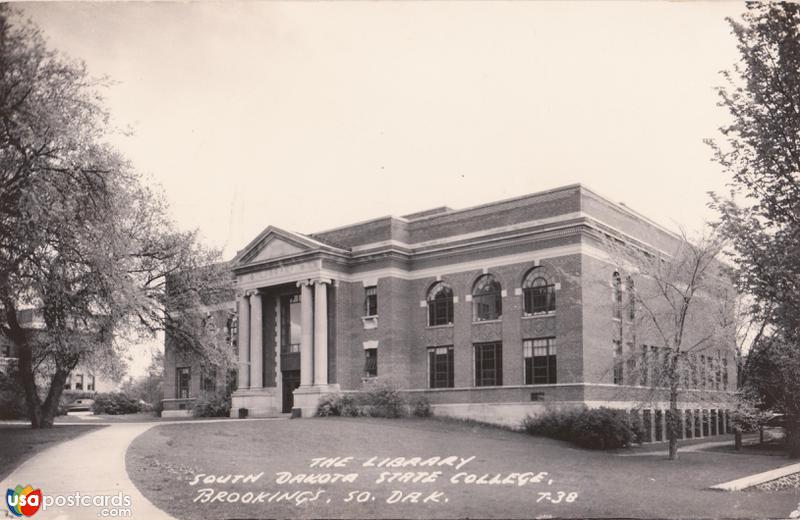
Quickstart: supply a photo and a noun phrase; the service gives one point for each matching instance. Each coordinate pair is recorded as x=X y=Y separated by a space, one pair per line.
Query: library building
x=491 y=312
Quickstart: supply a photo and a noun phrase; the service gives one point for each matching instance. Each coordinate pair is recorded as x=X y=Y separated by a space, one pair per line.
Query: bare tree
x=675 y=313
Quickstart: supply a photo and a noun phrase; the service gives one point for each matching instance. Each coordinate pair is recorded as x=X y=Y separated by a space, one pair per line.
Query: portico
x=283 y=356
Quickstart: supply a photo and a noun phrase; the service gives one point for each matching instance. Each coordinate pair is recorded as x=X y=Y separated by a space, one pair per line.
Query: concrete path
x=689 y=448
x=92 y=464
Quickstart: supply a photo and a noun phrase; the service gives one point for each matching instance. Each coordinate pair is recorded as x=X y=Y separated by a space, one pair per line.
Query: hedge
x=595 y=428
x=380 y=399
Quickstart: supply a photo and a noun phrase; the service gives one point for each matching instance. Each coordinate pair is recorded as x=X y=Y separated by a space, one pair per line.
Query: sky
x=313 y=115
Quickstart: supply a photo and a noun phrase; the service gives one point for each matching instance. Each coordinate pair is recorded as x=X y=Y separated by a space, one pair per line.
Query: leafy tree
x=81 y=237
x=760 y=150
x=149 y=387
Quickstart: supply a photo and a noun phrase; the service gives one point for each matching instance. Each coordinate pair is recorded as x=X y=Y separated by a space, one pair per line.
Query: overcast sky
x=313 y=115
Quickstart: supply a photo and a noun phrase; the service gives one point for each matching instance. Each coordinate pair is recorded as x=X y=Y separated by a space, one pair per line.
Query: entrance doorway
x=291 y=380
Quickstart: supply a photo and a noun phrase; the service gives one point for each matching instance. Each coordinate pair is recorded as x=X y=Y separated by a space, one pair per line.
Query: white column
x=321 y=332
x=306 y=331
x=243 y=327
x=256 y=342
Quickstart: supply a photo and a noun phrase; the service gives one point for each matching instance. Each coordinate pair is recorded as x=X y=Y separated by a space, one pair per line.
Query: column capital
x=322 y=280
x=307 y=282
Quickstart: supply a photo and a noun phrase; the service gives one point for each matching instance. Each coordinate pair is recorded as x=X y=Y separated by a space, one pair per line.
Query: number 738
x=559 y=496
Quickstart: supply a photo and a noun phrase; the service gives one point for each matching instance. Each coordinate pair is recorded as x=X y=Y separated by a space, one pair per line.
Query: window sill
x=370 y=322
x=447 y=326
x=539 y=315
x=478 y=322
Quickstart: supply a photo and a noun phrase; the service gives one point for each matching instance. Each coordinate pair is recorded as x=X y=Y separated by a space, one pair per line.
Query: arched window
x=440 y=304
x=616 y=282
x=538 y=295
x=487 y=302
x=631 y=298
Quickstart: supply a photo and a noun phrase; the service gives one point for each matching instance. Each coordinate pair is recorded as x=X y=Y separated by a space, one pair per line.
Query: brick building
x=82 y=379
x=489 y=311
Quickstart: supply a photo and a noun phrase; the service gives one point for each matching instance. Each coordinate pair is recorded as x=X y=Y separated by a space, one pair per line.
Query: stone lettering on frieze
x=279 y=272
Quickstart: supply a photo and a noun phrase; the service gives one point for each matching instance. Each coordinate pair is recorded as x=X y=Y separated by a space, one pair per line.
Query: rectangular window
x=618 y=364
x=725 y=373
x=645 y=366
x=370 y=362
x=656 y=364
x=440 y=311
x=290 y=323
x=90 y=384
x=487 y=306
x=183 y=376
x=540 y=361
x=488 y=364
x=68 y=383
x=630 y=364
x=79 y=382
x=231 y=331
x=208 y=379
x=539 y=299
x=371 y=301
x=440 y=367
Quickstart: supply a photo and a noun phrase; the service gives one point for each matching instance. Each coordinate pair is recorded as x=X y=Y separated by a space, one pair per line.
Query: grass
x=19 y=442
x=164 y=461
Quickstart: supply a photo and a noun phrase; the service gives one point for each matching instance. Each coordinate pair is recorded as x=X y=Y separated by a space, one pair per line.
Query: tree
x=81 y=237
x=675 y=311
x=760 y=150
x=149 y=387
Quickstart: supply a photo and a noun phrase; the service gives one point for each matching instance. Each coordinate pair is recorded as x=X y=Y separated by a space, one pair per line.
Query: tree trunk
x=737 y=436
x=40 y=414
x=674 y=417
x=19 y=337
x=793 y=437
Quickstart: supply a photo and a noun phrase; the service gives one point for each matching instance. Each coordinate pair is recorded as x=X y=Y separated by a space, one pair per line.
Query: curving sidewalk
x=93 y=463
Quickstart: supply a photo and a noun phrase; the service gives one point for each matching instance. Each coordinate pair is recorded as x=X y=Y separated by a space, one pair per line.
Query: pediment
x=271 y=246
x=274 y=243
x=275 y=247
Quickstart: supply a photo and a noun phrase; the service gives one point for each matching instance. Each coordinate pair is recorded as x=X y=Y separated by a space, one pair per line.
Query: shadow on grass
x=20 y=442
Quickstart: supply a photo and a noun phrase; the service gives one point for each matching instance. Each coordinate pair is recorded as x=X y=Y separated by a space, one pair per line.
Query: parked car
x=80 y=405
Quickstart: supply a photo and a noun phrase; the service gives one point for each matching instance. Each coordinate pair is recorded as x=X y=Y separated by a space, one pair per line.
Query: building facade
x=83 y=379
x=491 y=312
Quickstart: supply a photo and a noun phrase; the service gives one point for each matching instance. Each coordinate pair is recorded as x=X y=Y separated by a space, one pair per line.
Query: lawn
x=526 y=476
x=18 y=442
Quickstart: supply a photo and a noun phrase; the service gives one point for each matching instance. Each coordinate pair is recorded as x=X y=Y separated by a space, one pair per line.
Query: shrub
x=382 y=399
x=596 y=428
x=421 y=407
x=115 y=403
x=556 y=423
x=328 y=405
x=212 y=405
